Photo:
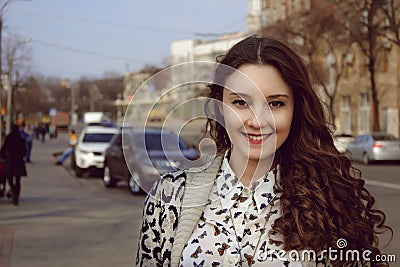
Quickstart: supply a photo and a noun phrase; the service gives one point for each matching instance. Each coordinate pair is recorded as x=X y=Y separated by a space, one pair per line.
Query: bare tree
x=30 y=98
x=16 y=53
x=391 y=11
x=317 y=36
x=391 y=32
x=364 y=22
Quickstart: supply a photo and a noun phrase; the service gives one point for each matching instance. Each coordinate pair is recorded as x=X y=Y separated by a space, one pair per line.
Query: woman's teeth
x=256 y=138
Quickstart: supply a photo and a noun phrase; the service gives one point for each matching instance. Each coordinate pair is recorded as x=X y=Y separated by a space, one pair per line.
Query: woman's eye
x=239 y=102
x=276 y=104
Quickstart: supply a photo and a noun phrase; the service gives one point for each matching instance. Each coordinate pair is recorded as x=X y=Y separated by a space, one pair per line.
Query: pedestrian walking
x=52 y=131
x=276 y=185
x=3 y=178
x=42 y=131
x=13 y=151
x=26 y=134
x=73 y=140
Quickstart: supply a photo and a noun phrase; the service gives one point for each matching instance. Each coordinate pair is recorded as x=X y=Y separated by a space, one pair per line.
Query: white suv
x=91 y=147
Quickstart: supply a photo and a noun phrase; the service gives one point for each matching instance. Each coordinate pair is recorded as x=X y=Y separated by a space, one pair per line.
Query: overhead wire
x=85 y=52
x=127 y=26
x=118 y=25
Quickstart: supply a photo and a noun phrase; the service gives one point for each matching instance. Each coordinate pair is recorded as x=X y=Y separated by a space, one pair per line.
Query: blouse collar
x=230 y=188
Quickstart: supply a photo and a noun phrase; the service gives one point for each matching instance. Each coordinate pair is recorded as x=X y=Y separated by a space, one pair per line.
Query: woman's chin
x=261 y=156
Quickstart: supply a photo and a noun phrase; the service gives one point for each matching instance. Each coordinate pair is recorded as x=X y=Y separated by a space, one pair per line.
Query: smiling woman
x=278 y=184
x=257 y=118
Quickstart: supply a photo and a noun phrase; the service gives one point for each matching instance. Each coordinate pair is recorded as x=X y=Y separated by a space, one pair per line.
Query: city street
x=63 y=221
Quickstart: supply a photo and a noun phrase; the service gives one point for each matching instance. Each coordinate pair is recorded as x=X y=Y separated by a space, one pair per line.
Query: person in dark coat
x=13 y=151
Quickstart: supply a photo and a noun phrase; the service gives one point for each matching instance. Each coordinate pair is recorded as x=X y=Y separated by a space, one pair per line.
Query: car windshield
x=97 y=137
x=384 y=138
x=153 y=141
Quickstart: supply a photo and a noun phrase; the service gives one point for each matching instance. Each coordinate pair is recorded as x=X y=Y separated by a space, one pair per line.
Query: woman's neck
x=254 y=169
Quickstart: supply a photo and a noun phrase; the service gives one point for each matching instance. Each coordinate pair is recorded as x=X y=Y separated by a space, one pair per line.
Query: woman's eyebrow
x=242 y=95
x=278 y=95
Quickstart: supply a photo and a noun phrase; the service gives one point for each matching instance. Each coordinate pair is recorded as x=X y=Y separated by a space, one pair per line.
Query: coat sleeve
x=160 y=218
x=149 y=238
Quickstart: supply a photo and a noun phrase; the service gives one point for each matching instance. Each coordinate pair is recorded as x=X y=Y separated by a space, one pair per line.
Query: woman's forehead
x=256 y=81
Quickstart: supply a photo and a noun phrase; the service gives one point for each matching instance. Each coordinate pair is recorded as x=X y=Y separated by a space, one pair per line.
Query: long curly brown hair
x=323 y=197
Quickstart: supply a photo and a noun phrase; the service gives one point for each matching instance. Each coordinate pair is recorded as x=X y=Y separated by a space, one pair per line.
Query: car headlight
x=88 y=153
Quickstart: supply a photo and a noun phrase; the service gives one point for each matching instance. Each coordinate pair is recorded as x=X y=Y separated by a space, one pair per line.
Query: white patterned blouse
x=233 y=229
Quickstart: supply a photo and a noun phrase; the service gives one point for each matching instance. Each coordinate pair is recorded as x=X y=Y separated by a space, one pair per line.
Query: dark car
x=141 y=157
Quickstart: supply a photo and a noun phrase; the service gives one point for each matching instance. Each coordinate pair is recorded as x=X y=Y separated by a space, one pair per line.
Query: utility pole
x=1 y=76
x=74 y=118
x=9 y=95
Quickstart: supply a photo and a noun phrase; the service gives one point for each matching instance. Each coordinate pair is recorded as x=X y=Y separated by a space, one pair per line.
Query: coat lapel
x=197 y=191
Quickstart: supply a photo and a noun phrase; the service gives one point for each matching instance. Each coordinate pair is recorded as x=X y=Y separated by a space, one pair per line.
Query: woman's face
x=257 y=111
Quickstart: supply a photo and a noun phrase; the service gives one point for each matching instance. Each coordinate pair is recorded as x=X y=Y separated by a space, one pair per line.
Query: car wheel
x=133 y=185
x=73 y=162
x=78 y=172
x=108 y=179
x=366 y=159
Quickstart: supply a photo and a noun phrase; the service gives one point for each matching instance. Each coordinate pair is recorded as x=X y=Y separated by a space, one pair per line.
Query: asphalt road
x=66 y=221
x=383 y=182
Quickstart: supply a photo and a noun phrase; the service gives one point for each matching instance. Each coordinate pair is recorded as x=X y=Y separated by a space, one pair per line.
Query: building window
x=384 y=61
x=345 y=70
x=348 y=61
x=365 y=113
x=384 y=119
x=284 y=12
x=345 y=114
x=364 y=61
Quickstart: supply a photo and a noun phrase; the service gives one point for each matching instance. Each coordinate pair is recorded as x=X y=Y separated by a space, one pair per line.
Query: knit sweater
x=171 y=212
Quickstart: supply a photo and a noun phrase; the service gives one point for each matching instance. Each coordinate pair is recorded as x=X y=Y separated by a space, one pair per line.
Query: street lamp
x=2 y=8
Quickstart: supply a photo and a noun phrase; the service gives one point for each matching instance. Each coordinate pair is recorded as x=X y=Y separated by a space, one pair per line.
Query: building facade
x=353 y=101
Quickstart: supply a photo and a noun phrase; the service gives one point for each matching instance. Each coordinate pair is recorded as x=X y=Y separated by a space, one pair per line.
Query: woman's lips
x=256 y=138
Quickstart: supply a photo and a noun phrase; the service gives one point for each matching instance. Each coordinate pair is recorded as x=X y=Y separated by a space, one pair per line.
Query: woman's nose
x=260 y=117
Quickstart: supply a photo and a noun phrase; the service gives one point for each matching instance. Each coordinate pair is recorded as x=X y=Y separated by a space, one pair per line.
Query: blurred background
x=59 y=57
x=63 y=60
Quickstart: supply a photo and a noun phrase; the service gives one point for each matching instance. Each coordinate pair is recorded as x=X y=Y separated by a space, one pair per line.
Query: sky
x=88 y=38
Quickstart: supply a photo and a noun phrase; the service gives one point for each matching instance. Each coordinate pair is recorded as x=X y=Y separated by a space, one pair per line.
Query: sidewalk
x=64 y=221
x=42 y=164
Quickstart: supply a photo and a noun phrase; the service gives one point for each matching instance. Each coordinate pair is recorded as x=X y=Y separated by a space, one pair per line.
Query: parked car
x=141 y=157
x=341 y=141
x=91 y=147
x=374 y=146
